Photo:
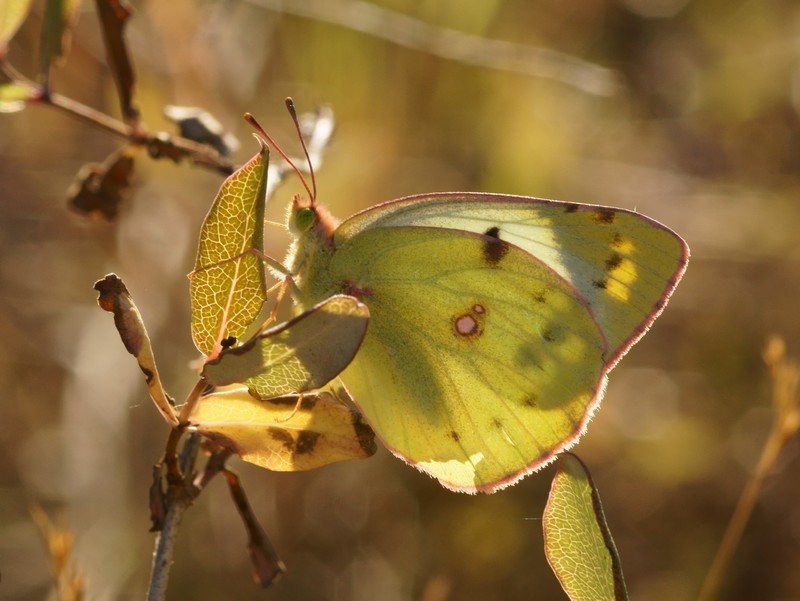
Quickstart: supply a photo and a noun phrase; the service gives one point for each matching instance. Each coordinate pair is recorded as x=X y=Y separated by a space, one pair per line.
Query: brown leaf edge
x=115 y=298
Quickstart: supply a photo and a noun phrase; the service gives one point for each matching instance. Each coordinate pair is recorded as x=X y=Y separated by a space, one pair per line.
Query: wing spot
x=601 y=284
x=613 y=261
x=548 y=335
x=455 y=436
x=497 y=423
x=479 y=309
x=603 y=216
x=350 y=288
x=540 y=296
x=494 y=249
x=571 y=208
x=466 y=326
x=530 y=400
x=528 y=355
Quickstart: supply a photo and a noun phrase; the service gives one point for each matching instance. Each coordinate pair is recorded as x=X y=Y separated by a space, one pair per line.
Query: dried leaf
x=201 y=126
x=267 y=566
x=297 y=356
x=12 y=15
x=115 y=298
x=577 y=540
x=99 y=189
x=228 y=284
x=281 y=435
x=113 y=16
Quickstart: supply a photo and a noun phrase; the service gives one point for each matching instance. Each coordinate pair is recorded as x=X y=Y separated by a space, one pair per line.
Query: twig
x=158 y=144
x=786 y=404
x=455 y=45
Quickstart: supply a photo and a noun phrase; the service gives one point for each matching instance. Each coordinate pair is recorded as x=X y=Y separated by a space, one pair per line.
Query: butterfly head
x=307 y=218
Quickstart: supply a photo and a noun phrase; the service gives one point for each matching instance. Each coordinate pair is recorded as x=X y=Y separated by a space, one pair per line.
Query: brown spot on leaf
x=227 y=342
x=282 y=437
x=148 y=374
x=365 y=435
x=306 y=442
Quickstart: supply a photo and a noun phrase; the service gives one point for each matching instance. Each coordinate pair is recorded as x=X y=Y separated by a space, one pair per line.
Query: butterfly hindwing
x=480 y=362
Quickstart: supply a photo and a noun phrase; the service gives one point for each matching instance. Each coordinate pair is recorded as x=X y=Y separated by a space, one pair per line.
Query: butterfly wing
x=625 y=265
x=480 y=362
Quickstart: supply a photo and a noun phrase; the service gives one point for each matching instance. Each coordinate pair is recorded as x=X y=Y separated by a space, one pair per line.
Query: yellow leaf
x=280 y=435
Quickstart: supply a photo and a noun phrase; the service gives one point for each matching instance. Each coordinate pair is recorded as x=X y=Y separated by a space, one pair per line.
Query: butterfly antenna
x=257 y=126
x=293 y=113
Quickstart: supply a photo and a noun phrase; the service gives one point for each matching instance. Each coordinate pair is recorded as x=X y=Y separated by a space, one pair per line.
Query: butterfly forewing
x=623 y=264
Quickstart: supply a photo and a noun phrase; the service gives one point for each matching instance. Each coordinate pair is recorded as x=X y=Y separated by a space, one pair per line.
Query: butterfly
x=494 y=320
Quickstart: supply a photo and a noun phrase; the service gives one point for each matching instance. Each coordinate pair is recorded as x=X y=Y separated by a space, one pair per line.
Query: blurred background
x=687 y=111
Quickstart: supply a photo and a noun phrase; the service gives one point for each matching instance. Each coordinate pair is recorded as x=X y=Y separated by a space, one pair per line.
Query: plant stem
x=785 y=376
x=164 y=551
x=740 y=517
x=159 y=145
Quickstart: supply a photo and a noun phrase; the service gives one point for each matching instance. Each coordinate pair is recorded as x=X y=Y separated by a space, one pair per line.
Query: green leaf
x=297 y=356
x=12 y=14
x=284 y=434
x=228 y=284
x=58 y=18
x=577 y=540
x=13 y=97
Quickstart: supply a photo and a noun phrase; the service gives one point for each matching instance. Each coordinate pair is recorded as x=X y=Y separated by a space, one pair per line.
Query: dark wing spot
x=548 y=335
x=494 y=249
x=617 y=241
x=454 y=435
x=466 y=326
x=350 y=288
x=614 y=261
x=602 y=284
x=528 y=354
x=497 y=423
x=603 y=216
x=571 y=208
x=530 y=400
x=306 y=442
x=540 y=296
x=227 y=342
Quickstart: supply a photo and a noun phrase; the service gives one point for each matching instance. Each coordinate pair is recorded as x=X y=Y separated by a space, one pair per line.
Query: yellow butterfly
x=494 y=320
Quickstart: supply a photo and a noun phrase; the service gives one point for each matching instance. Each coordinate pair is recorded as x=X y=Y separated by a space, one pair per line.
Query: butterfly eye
x=305 y=218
